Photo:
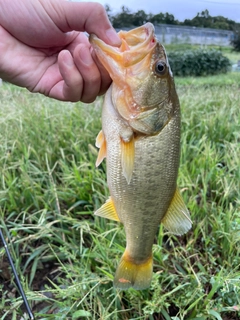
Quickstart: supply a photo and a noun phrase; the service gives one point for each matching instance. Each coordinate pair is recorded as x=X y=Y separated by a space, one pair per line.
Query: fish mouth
x=136 y=44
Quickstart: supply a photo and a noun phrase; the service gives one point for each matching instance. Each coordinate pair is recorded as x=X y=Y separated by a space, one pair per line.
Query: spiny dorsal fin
x=127 y=160
x=108 y=211
x=177 y=219
x=101 y=143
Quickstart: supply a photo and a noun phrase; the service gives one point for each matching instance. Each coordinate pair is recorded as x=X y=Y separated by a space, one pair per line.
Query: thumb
x=86 y=16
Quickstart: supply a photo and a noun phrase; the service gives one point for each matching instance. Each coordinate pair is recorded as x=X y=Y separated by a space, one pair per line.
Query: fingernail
x=85 y=56
x=113 y=37
x=68 y=59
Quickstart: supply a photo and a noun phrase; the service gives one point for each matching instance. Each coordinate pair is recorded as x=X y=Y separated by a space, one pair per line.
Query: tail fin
x=130 y=274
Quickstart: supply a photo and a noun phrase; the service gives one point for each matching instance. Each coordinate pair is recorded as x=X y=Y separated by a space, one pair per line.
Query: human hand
x=40 y=51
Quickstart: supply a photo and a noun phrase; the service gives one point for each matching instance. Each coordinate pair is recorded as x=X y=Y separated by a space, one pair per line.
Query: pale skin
x=43 y=47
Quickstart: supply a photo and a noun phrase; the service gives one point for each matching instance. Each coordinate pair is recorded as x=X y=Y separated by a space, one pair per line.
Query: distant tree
x=219 y=22
x=169 y=18
x=220 y=25
x=235 y=42
x=232 y=24
x=205 y=14
x=202 y=19
x=205 y=20
x=108 y=10
x=157 y=18
x=188 y=22
x=123 y=19
x=139 y=18
x=163 y=18
x=150 y=16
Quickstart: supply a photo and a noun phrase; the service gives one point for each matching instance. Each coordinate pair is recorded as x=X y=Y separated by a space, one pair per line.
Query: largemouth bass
x=140 y=139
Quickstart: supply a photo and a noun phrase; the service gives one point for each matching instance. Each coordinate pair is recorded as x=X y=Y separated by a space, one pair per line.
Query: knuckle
x=99 y=13
x=99 y=8
x=88 y=99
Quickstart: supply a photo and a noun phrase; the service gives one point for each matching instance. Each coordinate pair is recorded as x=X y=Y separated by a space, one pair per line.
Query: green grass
x=225 y=81
x=66 y=257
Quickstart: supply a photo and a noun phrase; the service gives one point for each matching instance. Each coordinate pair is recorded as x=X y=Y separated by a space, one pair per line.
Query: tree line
x=203 y=19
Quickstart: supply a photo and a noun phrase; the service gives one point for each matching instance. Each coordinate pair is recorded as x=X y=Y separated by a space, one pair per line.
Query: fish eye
x=160 y=68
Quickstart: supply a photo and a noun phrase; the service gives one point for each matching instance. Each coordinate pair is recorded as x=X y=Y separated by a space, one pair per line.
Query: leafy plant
x=235 y=42
x=198 y=62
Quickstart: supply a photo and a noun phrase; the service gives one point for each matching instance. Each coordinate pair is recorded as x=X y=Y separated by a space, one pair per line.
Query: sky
x=181 y=9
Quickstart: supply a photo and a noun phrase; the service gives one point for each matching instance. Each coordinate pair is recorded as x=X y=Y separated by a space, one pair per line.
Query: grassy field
x=66 y=257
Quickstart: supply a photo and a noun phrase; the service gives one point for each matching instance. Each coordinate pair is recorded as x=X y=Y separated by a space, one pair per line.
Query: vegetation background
x=66 y=257
x=127 y=18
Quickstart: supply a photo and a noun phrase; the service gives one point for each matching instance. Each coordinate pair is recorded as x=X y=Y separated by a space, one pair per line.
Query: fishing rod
x=18 y=282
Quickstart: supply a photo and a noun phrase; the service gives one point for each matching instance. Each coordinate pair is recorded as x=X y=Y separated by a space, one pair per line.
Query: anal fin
x=177 y=219
x=108 y=211
x=101 y=143
x=128 y=156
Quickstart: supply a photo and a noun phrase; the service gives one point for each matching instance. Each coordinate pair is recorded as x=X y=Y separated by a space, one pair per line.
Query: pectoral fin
x=101 y=143
x=177 y=219
x=128 y=155
x=108 y=211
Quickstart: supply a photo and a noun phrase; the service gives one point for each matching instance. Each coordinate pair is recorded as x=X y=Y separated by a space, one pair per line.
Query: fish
x=140 y=139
